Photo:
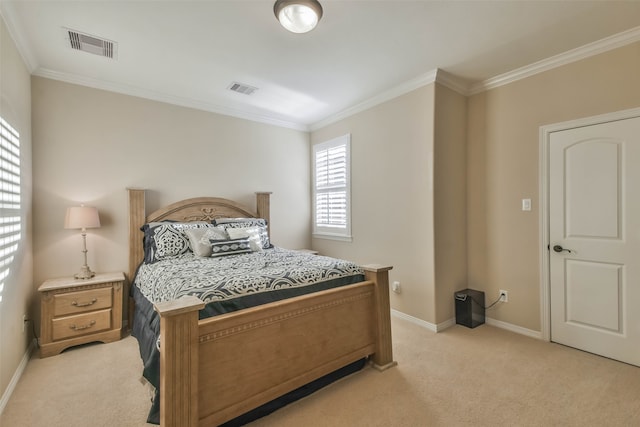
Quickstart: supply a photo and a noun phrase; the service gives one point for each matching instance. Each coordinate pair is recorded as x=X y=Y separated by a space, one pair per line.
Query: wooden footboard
x=216 y=369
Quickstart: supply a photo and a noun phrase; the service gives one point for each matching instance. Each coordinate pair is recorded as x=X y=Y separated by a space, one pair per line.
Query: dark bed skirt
x=296 y=394
x=282 y=401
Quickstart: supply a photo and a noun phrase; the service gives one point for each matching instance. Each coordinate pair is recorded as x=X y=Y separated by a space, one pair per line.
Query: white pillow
x=252 y=233
x=195 y=236
x=199 y=239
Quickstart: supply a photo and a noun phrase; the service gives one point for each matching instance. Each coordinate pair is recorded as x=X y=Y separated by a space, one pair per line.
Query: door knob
x=559 y=249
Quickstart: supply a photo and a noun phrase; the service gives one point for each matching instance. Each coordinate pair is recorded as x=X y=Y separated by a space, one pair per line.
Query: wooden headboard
x=196 y=209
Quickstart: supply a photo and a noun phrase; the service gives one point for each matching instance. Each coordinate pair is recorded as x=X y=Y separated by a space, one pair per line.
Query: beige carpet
x=460 y=377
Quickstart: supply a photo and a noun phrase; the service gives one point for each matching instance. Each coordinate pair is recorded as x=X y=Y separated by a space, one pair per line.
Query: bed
x=214 y=369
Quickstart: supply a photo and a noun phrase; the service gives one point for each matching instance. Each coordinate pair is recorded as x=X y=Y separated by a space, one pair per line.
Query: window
x=10 y=217
x=332 y=189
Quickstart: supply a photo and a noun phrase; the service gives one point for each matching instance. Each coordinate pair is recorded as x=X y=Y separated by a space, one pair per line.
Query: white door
x=594 y=235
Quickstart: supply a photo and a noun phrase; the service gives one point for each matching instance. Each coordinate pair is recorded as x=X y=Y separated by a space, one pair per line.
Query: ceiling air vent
x=91 y=44
x=242 y=88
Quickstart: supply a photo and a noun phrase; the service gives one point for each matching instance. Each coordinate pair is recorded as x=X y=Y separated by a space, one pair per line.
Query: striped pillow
x=261 y=223
x=229 y=247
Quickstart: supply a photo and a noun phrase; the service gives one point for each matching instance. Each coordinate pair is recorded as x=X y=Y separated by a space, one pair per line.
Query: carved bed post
x=137 y=216
x=383 y=357
x=179 y=361
x=264 y=208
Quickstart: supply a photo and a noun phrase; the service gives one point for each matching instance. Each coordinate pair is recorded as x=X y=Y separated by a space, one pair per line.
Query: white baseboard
x=430 y=326
x=447 y=324
x=513 y=328
x=444 y=325
x=16 y=376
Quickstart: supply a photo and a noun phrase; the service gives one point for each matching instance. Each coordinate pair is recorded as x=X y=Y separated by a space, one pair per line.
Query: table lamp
x=82 y=217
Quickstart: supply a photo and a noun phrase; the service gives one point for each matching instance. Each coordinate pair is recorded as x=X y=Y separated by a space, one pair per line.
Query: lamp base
x=85 y=273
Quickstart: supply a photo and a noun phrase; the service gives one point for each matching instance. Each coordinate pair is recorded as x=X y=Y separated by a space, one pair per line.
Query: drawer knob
x=84 y=304
x=79 y=328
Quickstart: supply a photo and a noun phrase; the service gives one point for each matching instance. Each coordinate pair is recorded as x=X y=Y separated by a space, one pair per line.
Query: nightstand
x=79 y=311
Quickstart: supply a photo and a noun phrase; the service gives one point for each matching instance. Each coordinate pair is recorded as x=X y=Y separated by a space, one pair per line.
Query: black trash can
x=469 y=307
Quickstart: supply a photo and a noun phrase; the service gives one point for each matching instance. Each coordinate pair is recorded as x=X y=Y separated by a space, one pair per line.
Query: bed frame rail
x=261 y=353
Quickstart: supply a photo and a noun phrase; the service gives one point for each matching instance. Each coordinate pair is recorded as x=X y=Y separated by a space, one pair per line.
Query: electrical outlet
x=504 y=296
x=395 y=287
x=25 y=319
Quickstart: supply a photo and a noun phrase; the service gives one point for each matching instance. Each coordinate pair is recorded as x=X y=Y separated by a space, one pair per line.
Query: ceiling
x=190 y=52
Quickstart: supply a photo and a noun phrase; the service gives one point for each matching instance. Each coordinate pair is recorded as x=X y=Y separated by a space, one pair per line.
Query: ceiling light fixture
x=298 y=16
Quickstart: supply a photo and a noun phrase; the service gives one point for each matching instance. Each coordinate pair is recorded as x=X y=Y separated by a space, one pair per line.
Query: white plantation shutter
x=10 y=217
x=332 y=188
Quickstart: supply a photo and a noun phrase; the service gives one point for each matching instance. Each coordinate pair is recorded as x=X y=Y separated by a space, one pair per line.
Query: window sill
x=328 y=236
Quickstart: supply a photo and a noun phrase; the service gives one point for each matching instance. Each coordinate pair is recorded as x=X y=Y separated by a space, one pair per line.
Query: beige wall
x=450 y=203
x=409 y=196
x=18 y=290
x=460 y=167
x=392 y=195
x=89 y=145
x=503 y=153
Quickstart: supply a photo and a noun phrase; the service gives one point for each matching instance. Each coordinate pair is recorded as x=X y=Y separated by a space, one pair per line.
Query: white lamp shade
x=82 y=217
x=298 y=16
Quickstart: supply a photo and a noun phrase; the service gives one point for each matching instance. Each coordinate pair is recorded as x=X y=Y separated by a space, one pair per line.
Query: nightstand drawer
x=82 y=301
x=73 y=326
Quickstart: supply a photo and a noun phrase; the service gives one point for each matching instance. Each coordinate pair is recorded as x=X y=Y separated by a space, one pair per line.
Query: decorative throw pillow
x=251 y=233
x=199 y=239
x=213 y=233
x=229 y=247
x=163 y=240
x=228 y=223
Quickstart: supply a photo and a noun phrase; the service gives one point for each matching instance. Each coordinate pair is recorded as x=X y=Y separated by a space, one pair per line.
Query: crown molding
x=452 y=81
x=435 y=76
x=7 y=14
x=583 y=52
x=461 y=86
x=166 y=98
x=387 y=95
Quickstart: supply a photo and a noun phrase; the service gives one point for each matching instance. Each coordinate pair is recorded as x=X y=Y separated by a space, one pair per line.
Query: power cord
x=33 y=330
x=465 y=296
